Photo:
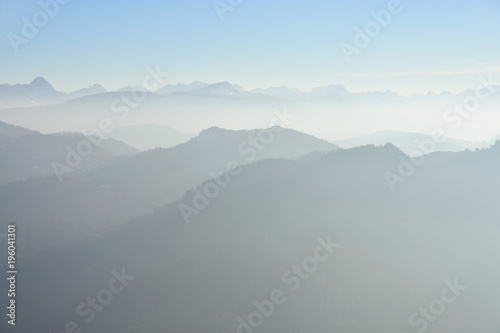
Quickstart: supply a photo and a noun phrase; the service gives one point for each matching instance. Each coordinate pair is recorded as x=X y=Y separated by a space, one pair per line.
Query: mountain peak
x=335 y=89
x=211 y=131
x=97 y=86
x=93 y=89
x=40 y=82
x=38 y=79
x=220 y=88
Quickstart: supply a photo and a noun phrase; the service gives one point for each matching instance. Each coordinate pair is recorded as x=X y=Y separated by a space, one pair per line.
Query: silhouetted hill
x=408 y=142
x=33 y=155
x=396 y=250
x=11 y=132
x=104 y=192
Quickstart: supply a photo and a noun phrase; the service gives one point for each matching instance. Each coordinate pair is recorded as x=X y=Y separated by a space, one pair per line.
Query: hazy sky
x=430 y=45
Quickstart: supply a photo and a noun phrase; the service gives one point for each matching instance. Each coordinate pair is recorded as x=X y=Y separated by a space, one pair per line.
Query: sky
x=425 y=45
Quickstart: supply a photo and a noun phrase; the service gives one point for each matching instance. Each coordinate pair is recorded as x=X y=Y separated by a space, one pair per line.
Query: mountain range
x=26 y=153
x=246 y=239
x=411 y=142
x=138 y=183
x=41 y=92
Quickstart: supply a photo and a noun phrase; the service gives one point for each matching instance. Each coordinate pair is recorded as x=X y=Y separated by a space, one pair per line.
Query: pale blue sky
x=430 y=45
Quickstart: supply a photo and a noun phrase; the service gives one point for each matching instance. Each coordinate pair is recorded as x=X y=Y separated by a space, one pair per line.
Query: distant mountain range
x=330 y=111
x=219 y=89
x=168 y=89
x=41 y=92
